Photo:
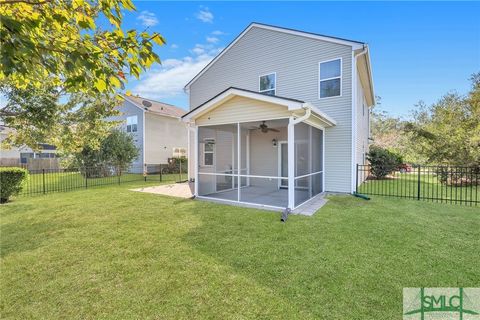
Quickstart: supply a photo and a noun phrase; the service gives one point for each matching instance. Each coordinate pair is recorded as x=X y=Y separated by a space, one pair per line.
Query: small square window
x=268 y=84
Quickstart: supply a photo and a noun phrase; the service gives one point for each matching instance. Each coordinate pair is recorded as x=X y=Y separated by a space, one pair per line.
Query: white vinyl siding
x=295 y=59
x=162 y=136
x=240 y=109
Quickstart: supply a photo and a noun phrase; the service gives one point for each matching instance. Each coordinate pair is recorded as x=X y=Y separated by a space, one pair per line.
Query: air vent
x=146 y=103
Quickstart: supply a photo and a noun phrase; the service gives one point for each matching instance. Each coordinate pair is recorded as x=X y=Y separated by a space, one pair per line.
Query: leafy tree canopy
x=61 y=62
x=38 y=116
x=117 y=149
x=62 y=42
x=448 y=132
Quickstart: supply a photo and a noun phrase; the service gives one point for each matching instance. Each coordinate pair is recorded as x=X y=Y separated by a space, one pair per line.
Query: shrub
x=11 y=182
x=382 y=161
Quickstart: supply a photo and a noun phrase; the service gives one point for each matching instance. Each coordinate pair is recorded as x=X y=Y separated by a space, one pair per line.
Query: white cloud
x=212 y=39
x=148 y=19
x=174 y=46
x=205 y=15
x=218 y=33
x=168 y=80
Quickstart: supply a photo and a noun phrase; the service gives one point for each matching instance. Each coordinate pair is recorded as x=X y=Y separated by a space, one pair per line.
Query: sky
x=419 y=50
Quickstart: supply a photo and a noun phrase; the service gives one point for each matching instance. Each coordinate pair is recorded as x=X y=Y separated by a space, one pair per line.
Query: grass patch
x=112 y=253
x=406 y=185
x=38 y=183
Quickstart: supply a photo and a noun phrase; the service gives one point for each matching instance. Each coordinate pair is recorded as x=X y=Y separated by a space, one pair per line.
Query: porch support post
x=195 y=141
x=239 y=167
x=291 y=163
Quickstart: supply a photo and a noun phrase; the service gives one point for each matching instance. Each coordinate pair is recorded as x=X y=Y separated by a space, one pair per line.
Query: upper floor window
x=330 y=78
x=132 y=123
x=268 y=83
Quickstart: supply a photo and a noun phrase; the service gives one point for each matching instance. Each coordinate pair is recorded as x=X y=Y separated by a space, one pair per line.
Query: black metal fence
x=455 y=185
x=62 y=180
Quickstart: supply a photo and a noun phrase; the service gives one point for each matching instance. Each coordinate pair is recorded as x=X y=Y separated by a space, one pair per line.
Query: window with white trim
x=330 y=78
x=132 y=122
x=268 y=83
x=208 y=151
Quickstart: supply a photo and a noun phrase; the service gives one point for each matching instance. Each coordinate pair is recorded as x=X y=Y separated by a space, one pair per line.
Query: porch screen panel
x=244 y=136
x=317 y=161
x=308 y=162
x=217 y=165
x=303 y=163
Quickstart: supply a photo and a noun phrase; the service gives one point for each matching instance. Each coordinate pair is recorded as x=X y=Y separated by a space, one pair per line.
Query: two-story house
x=156 y=128
x=278 y=117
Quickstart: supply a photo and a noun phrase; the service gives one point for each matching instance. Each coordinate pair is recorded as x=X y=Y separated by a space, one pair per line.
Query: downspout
x=354 y=115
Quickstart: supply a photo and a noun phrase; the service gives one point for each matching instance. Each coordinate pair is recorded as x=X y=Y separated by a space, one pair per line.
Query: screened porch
x=250 y=162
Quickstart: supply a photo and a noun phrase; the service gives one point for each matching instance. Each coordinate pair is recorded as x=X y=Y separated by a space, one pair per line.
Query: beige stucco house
x=279 y=117
x=156 y=128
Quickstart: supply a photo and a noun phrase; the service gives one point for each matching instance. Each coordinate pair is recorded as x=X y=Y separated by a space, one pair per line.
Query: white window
x=330 y=78
x=268 y=83
x=208 y=150
x=179 y=152
x=132 y=124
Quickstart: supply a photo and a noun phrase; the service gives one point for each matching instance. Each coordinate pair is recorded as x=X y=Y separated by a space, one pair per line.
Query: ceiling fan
x=264 y=128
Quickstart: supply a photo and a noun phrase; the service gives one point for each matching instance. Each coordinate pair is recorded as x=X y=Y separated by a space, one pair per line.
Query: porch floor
x=256 y=195
x=261 y=197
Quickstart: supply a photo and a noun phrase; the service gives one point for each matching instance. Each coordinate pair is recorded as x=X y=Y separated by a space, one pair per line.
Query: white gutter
x=308 y=112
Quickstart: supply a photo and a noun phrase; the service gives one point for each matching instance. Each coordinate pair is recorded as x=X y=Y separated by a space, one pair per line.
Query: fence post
x=160 y=172
x=118 y=174
x=86 y=178
x=418 y=184
x=180 y=170
x=145 y=172
x=356 y=181
x=43 y=180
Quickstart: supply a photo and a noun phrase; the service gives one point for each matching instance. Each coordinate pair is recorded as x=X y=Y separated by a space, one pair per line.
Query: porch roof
x=292 y=105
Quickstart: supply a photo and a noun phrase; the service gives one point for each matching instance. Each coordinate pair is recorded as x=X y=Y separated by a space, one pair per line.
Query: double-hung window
x=268 y=83
x=132 y=123
x=208 y=150
x=330 y=78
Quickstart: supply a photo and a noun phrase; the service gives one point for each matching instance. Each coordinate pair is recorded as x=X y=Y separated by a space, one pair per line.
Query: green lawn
x=406 y=185
x=39 y=183
x=112 y=253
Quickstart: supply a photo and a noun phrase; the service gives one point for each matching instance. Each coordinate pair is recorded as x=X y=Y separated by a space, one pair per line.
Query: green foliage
x=448 y=132
x=11 y=182
x=40 y=115
x=388 y=133
x=382 y=161
x=77 y=45
x=117 y=150
x=73 y=51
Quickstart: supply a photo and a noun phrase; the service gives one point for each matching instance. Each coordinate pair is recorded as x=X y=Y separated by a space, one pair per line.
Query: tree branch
x=3 y=2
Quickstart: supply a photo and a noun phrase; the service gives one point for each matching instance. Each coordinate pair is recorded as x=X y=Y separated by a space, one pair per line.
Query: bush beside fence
x=62 y=180
x=455 y=185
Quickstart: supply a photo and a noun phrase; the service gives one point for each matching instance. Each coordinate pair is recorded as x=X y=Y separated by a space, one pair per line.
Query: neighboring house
x=25 y=156
x=156 y=128
x=279 y=116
